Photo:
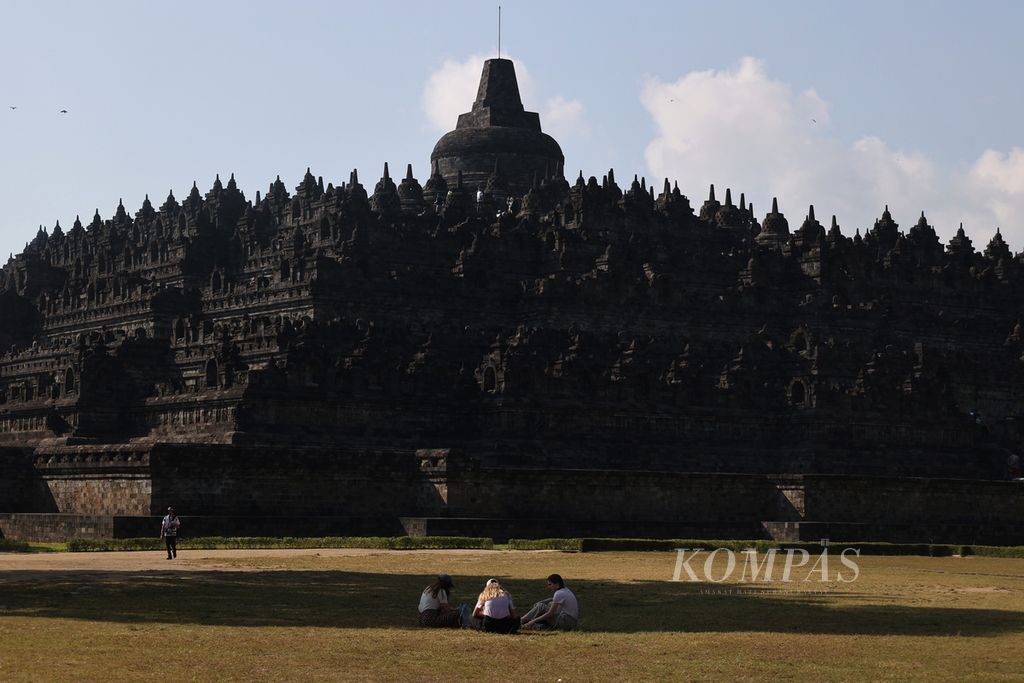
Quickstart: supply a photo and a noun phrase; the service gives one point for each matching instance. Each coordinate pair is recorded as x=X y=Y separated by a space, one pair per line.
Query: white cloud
x=996 y=181
x=1003 y=172
x=740 y=128
x=564 y=118
x=451 y=90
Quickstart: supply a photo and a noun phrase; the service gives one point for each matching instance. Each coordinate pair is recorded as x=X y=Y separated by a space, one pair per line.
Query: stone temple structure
x=589 y=359
x=498 y=146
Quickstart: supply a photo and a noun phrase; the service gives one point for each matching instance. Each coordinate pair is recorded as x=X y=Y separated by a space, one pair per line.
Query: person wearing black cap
x=169 y=532
x=434 y=608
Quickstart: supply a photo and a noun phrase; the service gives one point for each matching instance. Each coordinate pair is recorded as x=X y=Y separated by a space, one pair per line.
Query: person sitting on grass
x=495 y=608
x=435 y=611
x=561 y=612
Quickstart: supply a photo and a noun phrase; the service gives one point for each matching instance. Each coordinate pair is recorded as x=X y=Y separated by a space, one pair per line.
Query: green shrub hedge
x=651 y=544
x=9 y=546
x=266 y=542
x=567 y=544
x=928 y=549
x=644 y=544
x=571 y=544
x=993 y=551
x=590 y=545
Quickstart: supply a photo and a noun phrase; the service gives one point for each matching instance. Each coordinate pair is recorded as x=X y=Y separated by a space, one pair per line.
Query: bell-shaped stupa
x=498 y=130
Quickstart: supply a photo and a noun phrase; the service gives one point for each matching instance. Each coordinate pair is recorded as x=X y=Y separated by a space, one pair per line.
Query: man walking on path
x=169 y=532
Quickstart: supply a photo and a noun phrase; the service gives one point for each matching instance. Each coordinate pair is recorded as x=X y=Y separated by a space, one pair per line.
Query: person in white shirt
x=561 y=612
x=496 y=610
x=169 y=532
x=434 y=609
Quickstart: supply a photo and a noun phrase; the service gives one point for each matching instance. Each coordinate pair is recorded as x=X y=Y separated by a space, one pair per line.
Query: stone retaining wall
x=918 y=510
x=114 y=491
x=55 y=527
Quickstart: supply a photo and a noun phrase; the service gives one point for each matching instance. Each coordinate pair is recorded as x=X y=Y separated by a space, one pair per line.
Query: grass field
x=300 y=615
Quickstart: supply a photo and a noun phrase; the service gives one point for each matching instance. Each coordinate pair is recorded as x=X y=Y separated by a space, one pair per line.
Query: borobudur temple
x=500 y=352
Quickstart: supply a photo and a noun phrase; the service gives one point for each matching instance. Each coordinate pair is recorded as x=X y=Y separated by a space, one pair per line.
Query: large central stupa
x=498 y=134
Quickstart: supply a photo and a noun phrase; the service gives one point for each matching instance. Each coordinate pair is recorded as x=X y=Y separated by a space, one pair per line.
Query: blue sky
x=846 y=105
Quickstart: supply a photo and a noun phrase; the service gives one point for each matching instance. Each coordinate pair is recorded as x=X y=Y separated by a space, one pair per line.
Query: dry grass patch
x=326 y=615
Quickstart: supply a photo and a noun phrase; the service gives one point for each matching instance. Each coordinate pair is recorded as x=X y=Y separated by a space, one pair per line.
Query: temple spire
x=498 y=89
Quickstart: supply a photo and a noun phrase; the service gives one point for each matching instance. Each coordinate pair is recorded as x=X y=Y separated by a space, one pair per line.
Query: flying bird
x=63 y=111
x=13 y=108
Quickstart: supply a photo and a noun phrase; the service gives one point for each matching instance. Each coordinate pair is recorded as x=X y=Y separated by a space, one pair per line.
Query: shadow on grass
x=341 y=599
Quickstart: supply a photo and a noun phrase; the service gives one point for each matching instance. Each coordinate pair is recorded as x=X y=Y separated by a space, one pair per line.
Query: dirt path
x=20 y=566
